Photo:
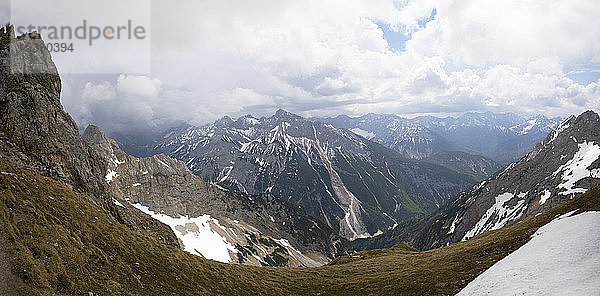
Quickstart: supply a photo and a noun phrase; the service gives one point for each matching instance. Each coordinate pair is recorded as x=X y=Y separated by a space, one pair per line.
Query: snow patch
x=453 y=225
x=116 y=202
x=363 y=133
x=561 y=258
x=502 y=215
x=545 y=196
x=110 y=175
x=197 y=234
x=567 y=214
x=251 y=121
x=161 y=162
x=378 y=233
x=577 y=168
x=219 y=187
x=563 y=126
x=116 y=160
x=245 y=147
x=526 y=127
x=224 y=175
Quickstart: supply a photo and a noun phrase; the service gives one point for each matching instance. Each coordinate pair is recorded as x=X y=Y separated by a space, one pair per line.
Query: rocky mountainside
x=38 y=135
x=479 y=167
x=213 y=222
x=359 y=188
x=564 y=165
x=503 y=137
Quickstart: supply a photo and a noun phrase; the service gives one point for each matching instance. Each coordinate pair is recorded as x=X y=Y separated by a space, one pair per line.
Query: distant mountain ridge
x=359 y=188
x=503 y=137
x=410 y=138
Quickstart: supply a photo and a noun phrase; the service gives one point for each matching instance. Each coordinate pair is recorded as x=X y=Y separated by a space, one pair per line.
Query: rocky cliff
x=37 y=134
x=259 y=229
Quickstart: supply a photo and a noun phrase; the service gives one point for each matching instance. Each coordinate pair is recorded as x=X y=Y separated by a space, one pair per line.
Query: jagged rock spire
x=26 y=59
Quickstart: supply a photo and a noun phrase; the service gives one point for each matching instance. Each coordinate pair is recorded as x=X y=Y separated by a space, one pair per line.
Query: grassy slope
x=62 y=243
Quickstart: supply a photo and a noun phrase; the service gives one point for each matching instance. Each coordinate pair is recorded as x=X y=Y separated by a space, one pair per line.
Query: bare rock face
x=261 y=229
x=564 y=165
x=37 y=134
x=32 y=116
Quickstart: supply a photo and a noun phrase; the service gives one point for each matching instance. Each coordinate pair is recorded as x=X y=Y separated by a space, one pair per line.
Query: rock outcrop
x=37 y=134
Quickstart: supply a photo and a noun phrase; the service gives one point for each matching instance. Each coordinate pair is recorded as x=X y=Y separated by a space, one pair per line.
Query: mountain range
x=565 y=164
x=357 y=187
x=501 y=137
x=340 y=175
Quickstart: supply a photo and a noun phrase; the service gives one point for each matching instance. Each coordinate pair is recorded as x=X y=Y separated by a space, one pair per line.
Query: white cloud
x=103 y=91
x=129 y=103
x=142 y=86
x=212 y=58
x=484 y=33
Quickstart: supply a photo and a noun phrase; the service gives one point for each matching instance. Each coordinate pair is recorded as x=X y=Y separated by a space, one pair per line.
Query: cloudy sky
x=321 y=58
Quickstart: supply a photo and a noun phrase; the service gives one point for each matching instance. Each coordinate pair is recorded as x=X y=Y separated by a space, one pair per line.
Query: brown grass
x=61 y=243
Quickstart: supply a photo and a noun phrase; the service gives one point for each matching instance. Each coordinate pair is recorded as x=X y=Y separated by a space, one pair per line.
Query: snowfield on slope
x=500 y=212
x=196 y=234
x=561 y=258
x=363 y=133
x=577 y=168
